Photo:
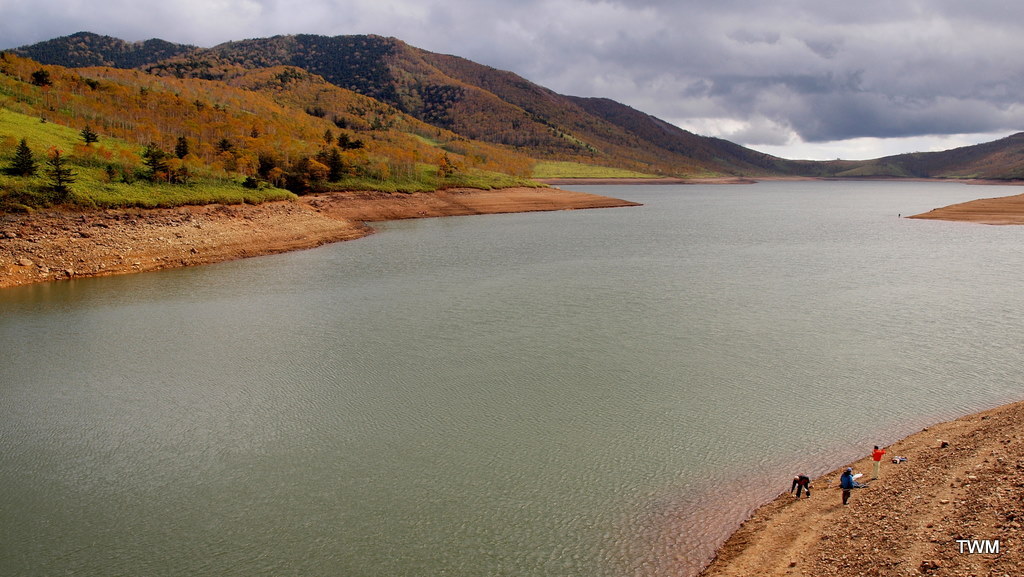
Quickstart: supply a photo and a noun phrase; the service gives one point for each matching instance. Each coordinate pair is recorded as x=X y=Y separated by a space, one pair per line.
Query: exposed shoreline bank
x=666 y=180
x=59 y=245
x=1001 y=210
x=962 y=480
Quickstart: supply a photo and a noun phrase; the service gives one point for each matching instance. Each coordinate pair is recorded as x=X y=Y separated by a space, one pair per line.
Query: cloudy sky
x=795 y=78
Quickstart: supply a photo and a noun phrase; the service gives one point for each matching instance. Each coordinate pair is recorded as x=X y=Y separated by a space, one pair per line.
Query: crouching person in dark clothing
x=801 y=483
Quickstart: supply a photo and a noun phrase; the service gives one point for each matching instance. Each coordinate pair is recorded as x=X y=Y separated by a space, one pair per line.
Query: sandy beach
x=59 y=245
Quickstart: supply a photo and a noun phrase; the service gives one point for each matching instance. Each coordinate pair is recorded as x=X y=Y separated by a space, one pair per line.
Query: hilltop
x=483 y=104
x=450 y=93
x=266 y=133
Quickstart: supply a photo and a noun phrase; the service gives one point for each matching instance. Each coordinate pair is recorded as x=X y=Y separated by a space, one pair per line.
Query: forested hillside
x=455 y=106
x=86 y=49
x=265 y=129
x=450 y=93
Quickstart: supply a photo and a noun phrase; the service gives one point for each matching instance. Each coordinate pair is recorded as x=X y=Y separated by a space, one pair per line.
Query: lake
x=588 y=393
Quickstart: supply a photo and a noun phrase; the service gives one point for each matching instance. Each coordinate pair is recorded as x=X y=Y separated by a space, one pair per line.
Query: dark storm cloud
x=751 y=71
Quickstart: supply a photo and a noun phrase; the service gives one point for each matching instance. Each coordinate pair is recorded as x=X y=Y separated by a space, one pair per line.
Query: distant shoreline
x=48 y=246
x=756 y=179
x=629 y=181
x=1005 y=210
x=59 y=245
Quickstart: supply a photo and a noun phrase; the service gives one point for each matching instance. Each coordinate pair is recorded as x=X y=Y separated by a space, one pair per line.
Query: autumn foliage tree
x=250 y=124
x=445 y=166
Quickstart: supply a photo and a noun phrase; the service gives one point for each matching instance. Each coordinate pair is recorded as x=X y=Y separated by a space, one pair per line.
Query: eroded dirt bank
x=1003 y=210
x=962 y=483
x=57 y=245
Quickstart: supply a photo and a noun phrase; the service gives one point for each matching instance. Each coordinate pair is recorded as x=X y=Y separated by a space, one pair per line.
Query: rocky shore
x=59 y=245
x=941 y=512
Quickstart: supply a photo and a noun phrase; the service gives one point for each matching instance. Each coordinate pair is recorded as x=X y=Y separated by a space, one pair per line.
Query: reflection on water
x=603 y=392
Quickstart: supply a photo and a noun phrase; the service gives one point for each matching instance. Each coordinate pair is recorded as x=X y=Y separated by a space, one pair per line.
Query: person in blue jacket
x=847 y=484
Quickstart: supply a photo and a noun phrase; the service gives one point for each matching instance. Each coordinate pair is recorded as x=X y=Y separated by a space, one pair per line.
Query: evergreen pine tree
x=155 y=160
x=41 y=77
x=181 y=148
x=335 y=165
x=89 y=135
x=60 y=174
x=24 y=162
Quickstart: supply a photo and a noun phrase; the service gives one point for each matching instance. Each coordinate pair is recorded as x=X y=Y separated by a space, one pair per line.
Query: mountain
x=449 y=92
x=481 y=103
x=1001 y=159
x=260 y=134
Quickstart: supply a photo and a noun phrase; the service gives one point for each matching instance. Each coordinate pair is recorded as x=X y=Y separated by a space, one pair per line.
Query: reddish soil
x=57 y=245
x=962 y=480
x=1004 y=210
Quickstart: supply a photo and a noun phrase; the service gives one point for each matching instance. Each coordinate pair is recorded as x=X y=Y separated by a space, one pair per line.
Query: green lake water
x=589 y=393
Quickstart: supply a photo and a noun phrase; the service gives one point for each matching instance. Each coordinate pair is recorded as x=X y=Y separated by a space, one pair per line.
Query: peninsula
x=57 y=245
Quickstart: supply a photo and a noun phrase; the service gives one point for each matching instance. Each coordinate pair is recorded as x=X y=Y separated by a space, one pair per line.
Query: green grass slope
x=94 y=185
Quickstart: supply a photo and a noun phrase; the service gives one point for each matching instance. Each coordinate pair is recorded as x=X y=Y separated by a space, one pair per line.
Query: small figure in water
x=801 y=483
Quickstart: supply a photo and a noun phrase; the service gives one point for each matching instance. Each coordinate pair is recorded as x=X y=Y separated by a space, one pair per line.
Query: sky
x=794 y=78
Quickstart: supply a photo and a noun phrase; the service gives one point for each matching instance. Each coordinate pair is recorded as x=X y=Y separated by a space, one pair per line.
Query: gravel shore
x=940 y=512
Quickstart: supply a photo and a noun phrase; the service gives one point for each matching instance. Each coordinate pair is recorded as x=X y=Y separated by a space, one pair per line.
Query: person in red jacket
x=876 y=456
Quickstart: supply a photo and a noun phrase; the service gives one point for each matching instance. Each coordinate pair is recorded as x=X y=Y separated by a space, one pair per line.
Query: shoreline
x=961 y=481
x=661 y=180
x=50 y=246
x=1005 y=210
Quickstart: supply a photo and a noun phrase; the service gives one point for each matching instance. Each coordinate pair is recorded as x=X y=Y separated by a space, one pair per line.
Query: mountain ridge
x=482 y=103
x=449 y=92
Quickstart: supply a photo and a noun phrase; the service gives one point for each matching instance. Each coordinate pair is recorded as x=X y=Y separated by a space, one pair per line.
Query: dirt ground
x=58 y=245
x=1005 y=210
x=961 y=481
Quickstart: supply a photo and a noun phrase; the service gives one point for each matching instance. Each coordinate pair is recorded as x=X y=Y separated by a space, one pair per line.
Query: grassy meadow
x=109 y=174
x=561 y=169
x=106 y=173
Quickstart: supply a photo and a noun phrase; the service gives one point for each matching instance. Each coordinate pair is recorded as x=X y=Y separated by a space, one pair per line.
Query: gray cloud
x=755 y=72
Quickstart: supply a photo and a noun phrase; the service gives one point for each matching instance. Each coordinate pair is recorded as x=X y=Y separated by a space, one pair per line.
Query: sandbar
x=1001 y=210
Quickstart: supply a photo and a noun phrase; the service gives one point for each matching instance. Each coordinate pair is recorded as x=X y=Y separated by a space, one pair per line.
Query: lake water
x=589 y=393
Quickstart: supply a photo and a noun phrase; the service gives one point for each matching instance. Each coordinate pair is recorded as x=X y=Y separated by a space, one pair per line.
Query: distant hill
x=88 y=49
x=481 y=103
x=1001 y=159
